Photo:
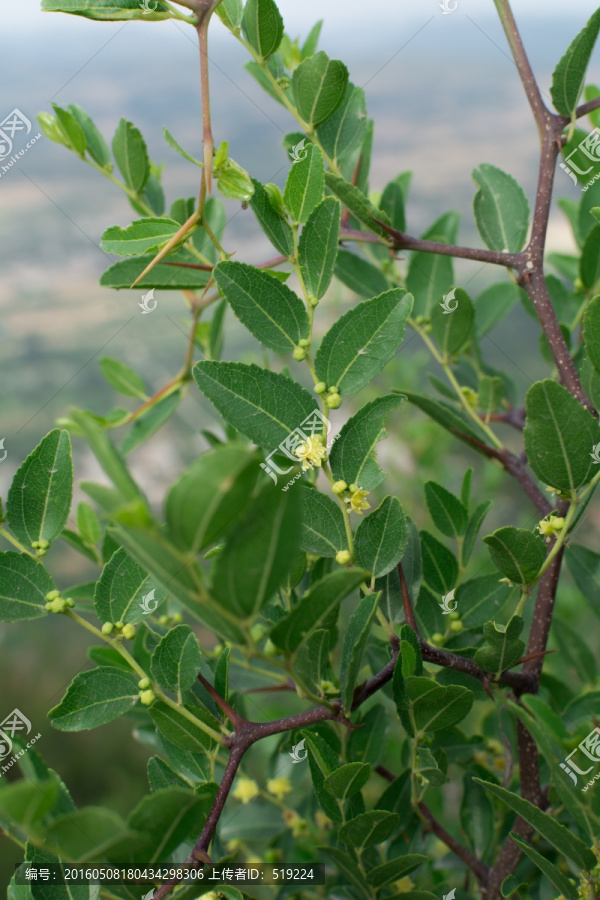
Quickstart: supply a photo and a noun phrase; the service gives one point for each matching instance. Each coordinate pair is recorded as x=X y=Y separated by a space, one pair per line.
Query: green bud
x=437 y=638
x=70 y=602
x=299 y=353
x=43 y=544
x=456 y=627
x=339 y=487
x=144 y=684
x=271 y=649
x=334 y=401
x=119 y=625
x=52 y=595
x=164 y=620
x=313 y=301
x=221 y=156
x=320 y=387
x=353 y=488
x=454 y=616
x=129 y=632
x=147 y=697
x=276 y=197
x=343 y=557
x=258 y=632
x=303 y=342
x=177 y=618
x=333 y=390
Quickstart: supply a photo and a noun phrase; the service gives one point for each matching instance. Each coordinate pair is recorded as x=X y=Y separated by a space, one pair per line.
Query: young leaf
x=106 y=10
x=259 y=553
x=344 y=131
x=319 y=85
x=153 y=418
x=304 y=185
x=363 y=340
x=502 y=648
x=517 y=553
x=318 y=246
x=355 y=641
x=494 y=304
x=446 y=510
x=357 y=203
x=440 y=568
x=312 y=660
x=165 y=276
x=491 y=391
x=554 y=875
x=479 y=599
x=111 y=462
x=122 y=378
x=360 y=276
x=24 y=584
x=568 y=78
x=95 y=144
x=381 y=538
x=323 y=530
x=393 y=200
x=265 y=406
x=204 y=501
x=129 y=147
x=88 y=524
x=347 y=780
x=453 y=331
x=584 y=566
x=272 y=312
x=170 y=816
x=263 y=26
x=477 y=816
x=589 y=267
x=72 y=130
x=368 y=829
x=352 y=457
x=349 y=871
x=591 y=333
x=179 y=729
x=434 y=707
x=322 y=762
x=501 y=209
x=95 y=698
x=271 y=221
x=452 y=419
x=556 y=834
x=230 y=13
x=324 y=596
x=121 y=589
x=368 y=743
x=430 y=275
x=177 y=659
x=142 y=236
x=39 y=498
x=396 y=869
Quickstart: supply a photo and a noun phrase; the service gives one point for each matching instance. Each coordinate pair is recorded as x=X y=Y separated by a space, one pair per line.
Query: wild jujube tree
x=280 y=542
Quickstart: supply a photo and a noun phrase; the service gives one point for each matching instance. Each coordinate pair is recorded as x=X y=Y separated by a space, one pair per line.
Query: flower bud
x=299 y=353
x=303 y=342
x=320 y=387
x=177 y=618
x=271 y=649
x=343 y=557
x=339 y=487
x=119 y=625
x=144 y=684
x=129 y=632
x=334 y=401
x=107 y=628
x=147 y=697
x=258 y=632
x=457 y=627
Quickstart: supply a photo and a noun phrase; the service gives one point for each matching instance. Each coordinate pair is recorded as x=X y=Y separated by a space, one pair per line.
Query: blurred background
x=445 y=97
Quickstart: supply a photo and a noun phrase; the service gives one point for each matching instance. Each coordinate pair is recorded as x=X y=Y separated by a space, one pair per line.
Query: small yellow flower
x=246 y=790
x=551 y=526
x=470 y=396
x=322 y=820
x=279 y=787
x=358 y=502
x=311 y=452
x=294 y=822
x=403 y=885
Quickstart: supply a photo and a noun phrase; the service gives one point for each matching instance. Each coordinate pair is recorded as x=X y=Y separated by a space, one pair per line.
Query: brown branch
x=479 y=868
x=542 y=614
x=585 y=108
x=236 y=720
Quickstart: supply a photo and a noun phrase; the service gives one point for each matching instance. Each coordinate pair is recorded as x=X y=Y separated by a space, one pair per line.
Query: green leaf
x=494 y=303
x=121 y=589
x=360 y=276
x=381 y=538
x=347 y=780
x=584 y=566
x=344 y=131
x=272 y=312
x=95 y=144
x=164 y=276
x=265 y=406
x=452 y=419
x=352 y=456
x=446 y=510
x=263 y=26
x=479 y=599
x=322 y=762
x=259 y=553
x=304 y=185
x=430 y=274
x=323 y=530
x=395 y=869
x=589 y=268
x=312 y=660
x=177 y=659
x=171 y=816
x=357 y=203
x=319 y=86
x=324 y=596
x=318 y=246
x=128 y=146
x=179 y=729
x=233 y=181
x=501 y=209
x=355 y=641
x=434 y=707
x=88 y=524
x=25 y=802
x=95 y=698
x=39 y=498
x=161 y=775
x=75 y=138
x=477 y=817
x=90 y=834
x=491 y=391
x=393 y=200
x=110 y=460
x=150 y=421
x=555 y=876
x=453 y=331
x=230 y=12
x=556 y=834
x=349 y=871
x=180 y=575
x=272 y=223
x=440 y=568
x=105 y=10
x=568 y=78
x=591 y=332
x=517 y=553
x=176 y=146
x=367 y=743
x=142 y=236
x=122 y=378
x=369 y=829
x=502 y=648
x=204 y=501
x=363 y=340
